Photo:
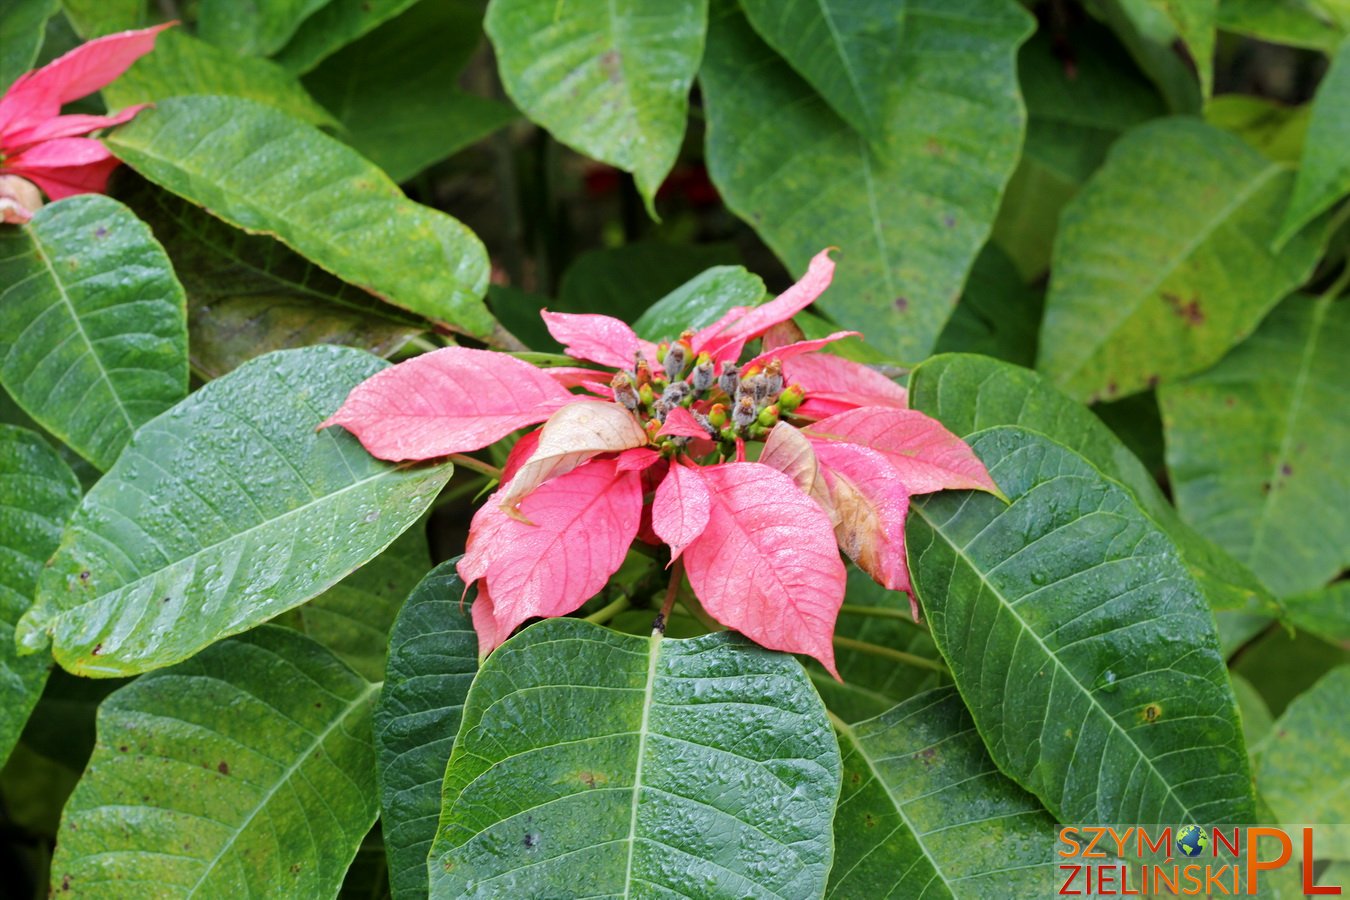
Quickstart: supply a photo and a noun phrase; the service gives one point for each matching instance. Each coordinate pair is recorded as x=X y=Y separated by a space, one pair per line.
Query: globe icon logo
x=1192 y=840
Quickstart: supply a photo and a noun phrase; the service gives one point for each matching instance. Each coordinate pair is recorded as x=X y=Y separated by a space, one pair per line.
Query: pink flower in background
x=47 y=148
x=660 y=454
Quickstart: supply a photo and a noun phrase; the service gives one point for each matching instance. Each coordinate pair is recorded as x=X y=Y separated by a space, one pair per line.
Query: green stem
x=421 y=343
x=909 y=659
x=476 y=465
x=604 y=614
x=1343 y=279
x=881 y=612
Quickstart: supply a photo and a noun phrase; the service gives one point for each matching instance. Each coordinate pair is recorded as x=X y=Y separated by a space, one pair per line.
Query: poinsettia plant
x=438 y=458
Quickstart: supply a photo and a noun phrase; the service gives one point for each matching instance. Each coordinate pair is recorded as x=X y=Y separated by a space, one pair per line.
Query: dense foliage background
x=1105 y=241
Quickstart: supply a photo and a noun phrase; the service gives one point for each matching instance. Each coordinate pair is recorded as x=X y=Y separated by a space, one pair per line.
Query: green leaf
x=910 y=212
x=37 y=493
x=609 y=78
x=998 y=314
x=1256 y=720
x=1085 y=652
x=1276 y=130
x=246 y=771
x=592 y=763
x=96 y=18
x=1325 y=613
x=1256 y=446
x=22 y=25
x=1194 y=21
x=334 y=26
x=1162 y=262
x=317 y=196
x=1150 y=37
x=624 y=281
x=1295 y=23
x=1304 y=769
x=93 y=337
x=1076 y=108
x=249 y=295
x=181 y=64
x=253 y=29
x=433 y=655
x=353 y=617
x=845 y=49
x=1324 y=176
x=395 y=91
x=241 y=510
x=972 y=393
x=699 y=302
x=925 y=812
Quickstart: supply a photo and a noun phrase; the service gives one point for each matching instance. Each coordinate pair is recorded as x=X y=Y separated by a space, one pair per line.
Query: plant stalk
x=604 y=614
x=881 y=612
x=676 y=576
x=476 y=465
x=909 y=659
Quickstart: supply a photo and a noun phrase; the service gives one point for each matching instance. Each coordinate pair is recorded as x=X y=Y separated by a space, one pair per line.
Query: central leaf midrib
x=653 y=655
x=1092 y=700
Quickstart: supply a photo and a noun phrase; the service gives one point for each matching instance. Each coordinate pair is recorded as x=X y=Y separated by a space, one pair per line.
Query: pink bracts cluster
x=39 y=144
x=659 y=454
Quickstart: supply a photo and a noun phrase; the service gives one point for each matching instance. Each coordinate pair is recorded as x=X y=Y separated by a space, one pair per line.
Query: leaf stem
x=676 y=576
x=881 y=612
x=604 y=614
x=909 y=659
x=476 y=465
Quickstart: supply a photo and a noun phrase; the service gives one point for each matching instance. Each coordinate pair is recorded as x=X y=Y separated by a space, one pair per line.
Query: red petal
x=65 y=167
x=593 y=380
x=783 y=307
x=766 y=564
x=680 y=508
x=584 y=522
x=637 y=459
x=788 y=351
x=680 y=422
x=39 y=96
x=68 y=126
x=448 y=401
x=599 y=339
x=870 y=502
x=490 y=637
x=834 y=385
x=926 y=455
x=571 y=436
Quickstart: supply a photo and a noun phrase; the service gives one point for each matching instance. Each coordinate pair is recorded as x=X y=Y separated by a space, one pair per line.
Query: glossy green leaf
x=315 y=195
x=924 y=811
x=433 y=655
x=699 y=302
x=1076 y=108
x=1325 y=613
x=258 y=28
x=1162 y=261
x=971 y=393
x=1304 y=767
x=246 y=771
x=334 y=26
x=353 y=617
x=1324 y=175
x=910 y=212
x=249 y=295
x=395 y=91
x=93 y=337
x=609 y=78
x=1277 y=130
x=844 y=48
x=37 y=493
x=1295 y=23
x=1081 y=645
x=998 y=314
x=22 y=23
x=181 y=64
x=242 y=511
x=1256 y=447
x=591 y=763
x=95 y=18
x=624 y=281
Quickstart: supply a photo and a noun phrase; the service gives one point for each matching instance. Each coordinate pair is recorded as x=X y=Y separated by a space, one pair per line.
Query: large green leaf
x=998 y=315
x=181 y=64
x=1304 y=766
x=433 y=655
x=909 y=212
x=971 y=393
x=95 y=18
x=1194 y=21
x=223 y=512
x=258 y=28
x=246 y=771
x=925 y=812
x=1151 y=38
x=330 y=29
x=591 y=763
x=609 y=78
x=1162 y=261
x=249 y=295
x=315 y=195
x=1293 y=22
x=699 y=302
x=844 y=48
x=1324 y=175
x=37 y=493
x=353 y=617
x=1256 y=447
x=1275 y=129
x=93 y=332
x=1325 y=613
x=395 y=91
x=22 y=23
x=625 y=281
x=1085 y=652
